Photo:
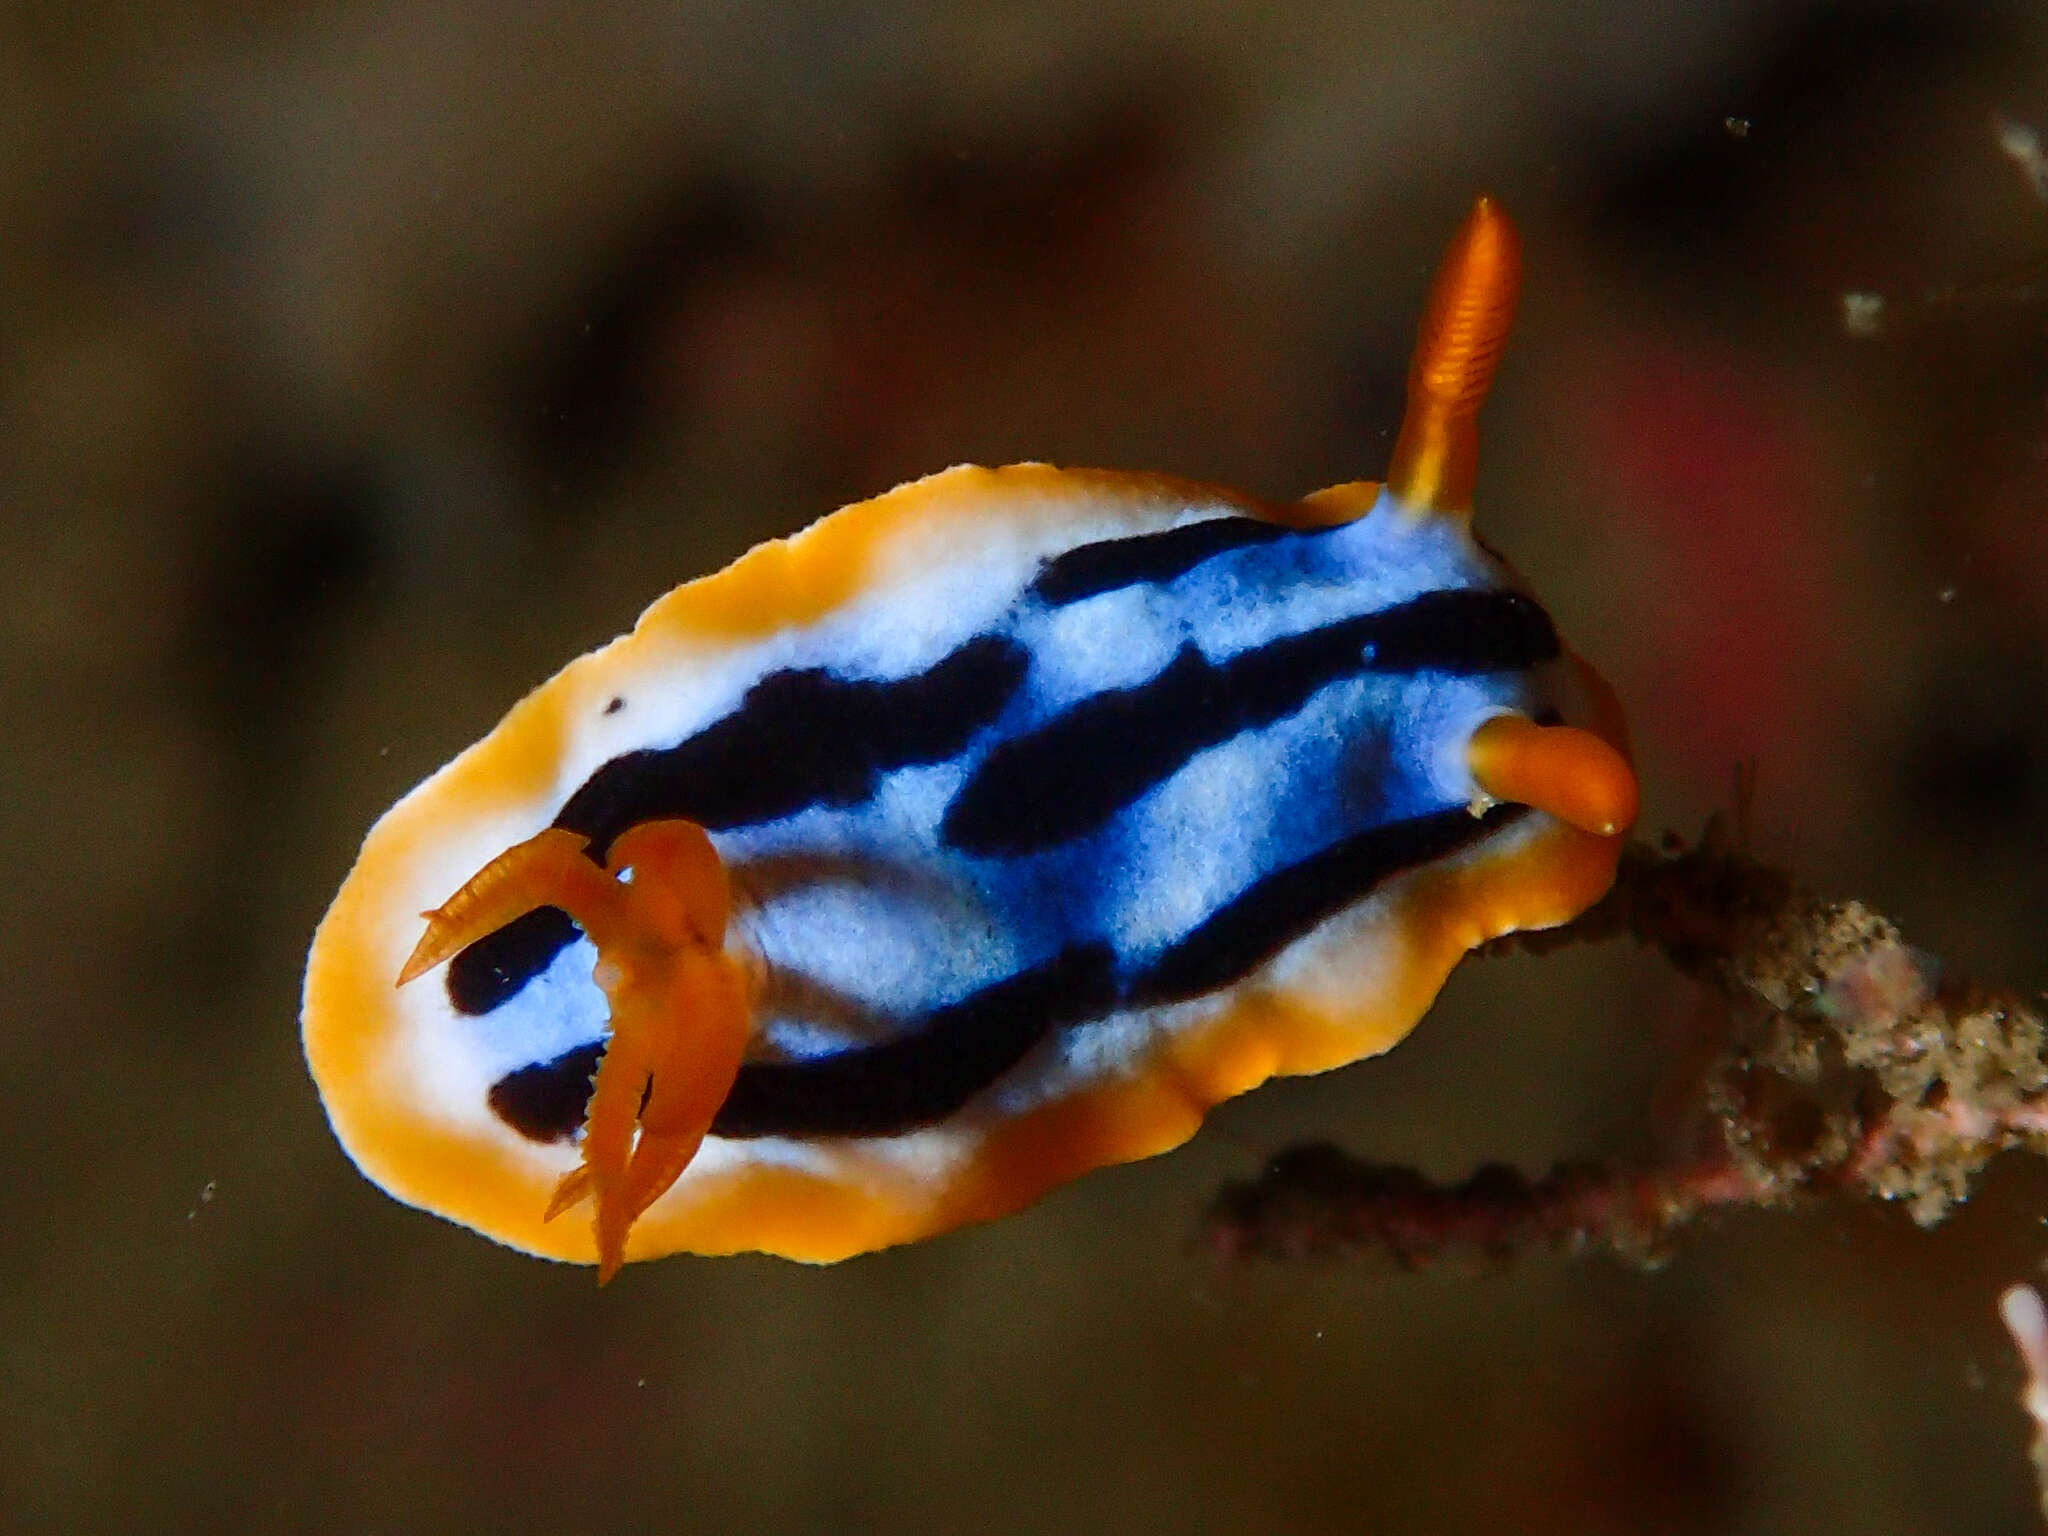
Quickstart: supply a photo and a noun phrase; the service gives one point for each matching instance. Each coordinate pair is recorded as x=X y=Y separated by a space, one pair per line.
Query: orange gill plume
x=679 y=1014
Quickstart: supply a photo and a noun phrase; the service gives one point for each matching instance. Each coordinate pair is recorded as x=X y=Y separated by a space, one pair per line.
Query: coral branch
x=1845 y=1063
x=2027 y=1321
x=1318 y=1200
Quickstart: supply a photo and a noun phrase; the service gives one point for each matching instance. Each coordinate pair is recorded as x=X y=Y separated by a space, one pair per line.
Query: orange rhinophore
x=1464 y=331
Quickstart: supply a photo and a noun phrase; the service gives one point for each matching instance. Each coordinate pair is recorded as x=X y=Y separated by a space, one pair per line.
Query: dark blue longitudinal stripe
x=545 y=1101
x=926 y=1075
x=800 y=738
x=1150 y=557
x=879 y=1090
x=1078 y=770
x=921 y=1078
x=1278 y=909
x=492 y=970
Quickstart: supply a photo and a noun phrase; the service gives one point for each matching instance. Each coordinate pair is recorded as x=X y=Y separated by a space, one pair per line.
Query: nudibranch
x=977 y=836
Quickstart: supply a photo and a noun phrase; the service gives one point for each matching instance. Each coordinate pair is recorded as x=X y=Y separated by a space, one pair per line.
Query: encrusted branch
x=2026 y=1319
x=1845 y=1063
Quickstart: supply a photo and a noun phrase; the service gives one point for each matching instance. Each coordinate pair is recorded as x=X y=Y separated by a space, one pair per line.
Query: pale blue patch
x=557 y=1011
x=1116 y=639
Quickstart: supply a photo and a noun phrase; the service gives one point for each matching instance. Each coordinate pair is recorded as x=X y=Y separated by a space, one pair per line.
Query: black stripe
x=545 y=1102
x=493 y=969
x=1465 y=631
x=1275 y=911
x=1148 y=557
x=921 y=1078
x=799 y=739
x=879 y=1090
x=925 y=1076
x=1081 y=768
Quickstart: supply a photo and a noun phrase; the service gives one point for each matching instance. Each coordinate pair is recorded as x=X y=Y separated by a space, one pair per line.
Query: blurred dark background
x=360 y=364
